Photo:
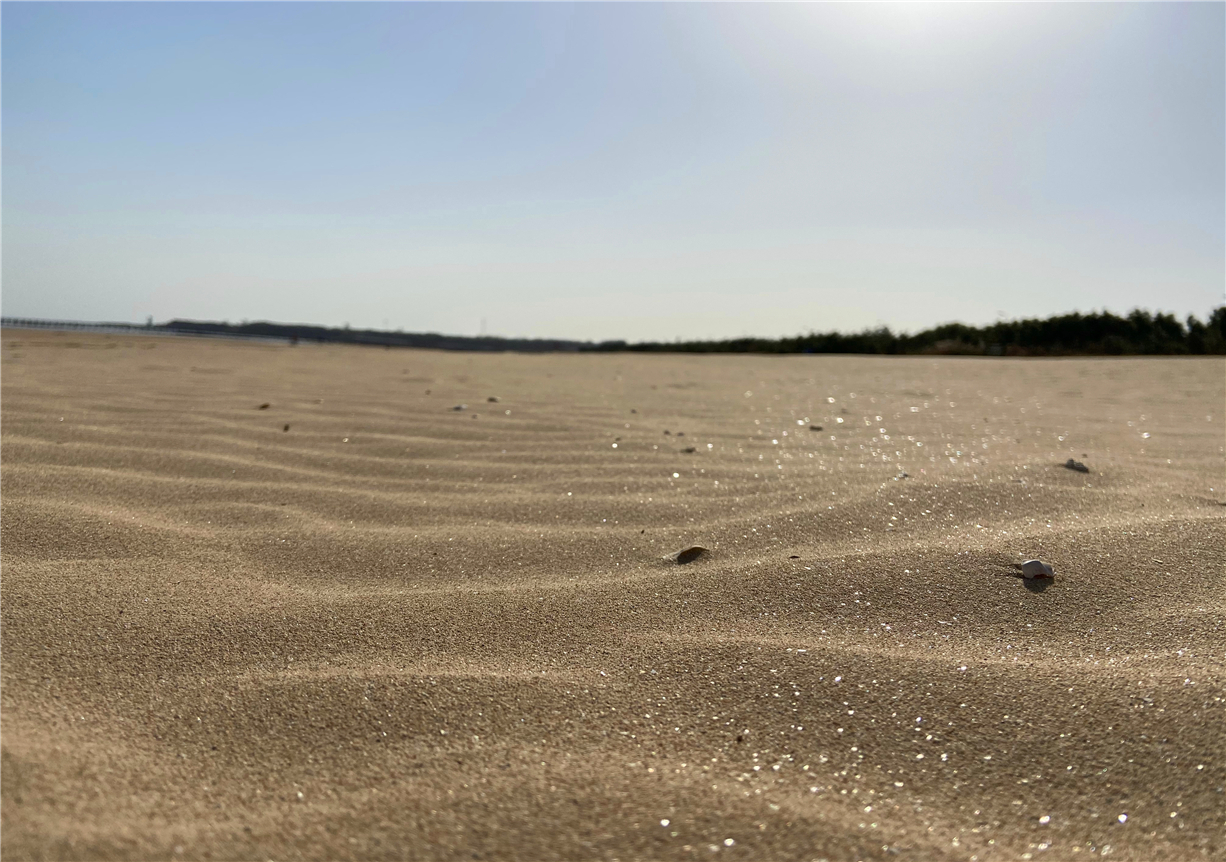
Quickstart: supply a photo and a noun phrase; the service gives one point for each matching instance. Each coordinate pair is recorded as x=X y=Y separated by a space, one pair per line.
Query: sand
x=399 y=630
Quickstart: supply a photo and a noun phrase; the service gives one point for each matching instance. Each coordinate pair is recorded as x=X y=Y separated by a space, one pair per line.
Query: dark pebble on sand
x=687 y=555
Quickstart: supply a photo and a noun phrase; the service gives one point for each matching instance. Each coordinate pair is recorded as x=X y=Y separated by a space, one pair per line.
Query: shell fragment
x=1037 y=569
x=686 y=555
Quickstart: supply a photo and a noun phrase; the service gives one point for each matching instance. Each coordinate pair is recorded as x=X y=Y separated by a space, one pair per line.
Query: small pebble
x=1037 y=569
x=686 y=555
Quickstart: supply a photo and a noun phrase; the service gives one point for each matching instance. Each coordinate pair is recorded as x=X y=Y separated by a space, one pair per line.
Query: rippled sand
x=398 y=630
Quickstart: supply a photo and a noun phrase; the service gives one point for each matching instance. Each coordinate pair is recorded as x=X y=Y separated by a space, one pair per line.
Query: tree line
x=295 y=332
x=1097 y=334
x=1140 y=333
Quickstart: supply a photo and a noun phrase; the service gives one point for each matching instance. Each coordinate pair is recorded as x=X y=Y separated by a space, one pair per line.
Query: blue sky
x=611 y=171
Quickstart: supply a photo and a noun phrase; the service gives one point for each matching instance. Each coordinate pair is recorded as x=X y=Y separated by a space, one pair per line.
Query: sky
x=597 y=171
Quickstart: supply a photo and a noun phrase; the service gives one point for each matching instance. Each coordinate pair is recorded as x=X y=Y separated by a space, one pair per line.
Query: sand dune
x=399 y=630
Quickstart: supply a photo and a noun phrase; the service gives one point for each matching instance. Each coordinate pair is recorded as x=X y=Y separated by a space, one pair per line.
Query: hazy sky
x=600 y=171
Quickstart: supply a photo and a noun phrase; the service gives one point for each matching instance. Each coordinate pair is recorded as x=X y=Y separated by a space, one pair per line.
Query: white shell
x=1037 y=569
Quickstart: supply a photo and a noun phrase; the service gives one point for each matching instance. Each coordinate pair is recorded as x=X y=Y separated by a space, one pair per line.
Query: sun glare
x=918 y=23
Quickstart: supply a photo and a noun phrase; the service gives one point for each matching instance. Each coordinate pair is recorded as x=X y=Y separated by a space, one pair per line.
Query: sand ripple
x=399 y=631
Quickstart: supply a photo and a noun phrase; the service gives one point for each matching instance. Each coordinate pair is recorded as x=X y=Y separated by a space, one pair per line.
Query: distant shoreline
x=1140 y=333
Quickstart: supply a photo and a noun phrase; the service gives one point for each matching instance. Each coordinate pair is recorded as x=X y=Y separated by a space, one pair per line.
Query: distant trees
x=296 y=332
x=1097 y=334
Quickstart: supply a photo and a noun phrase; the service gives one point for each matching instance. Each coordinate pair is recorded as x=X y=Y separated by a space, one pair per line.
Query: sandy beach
x=264 y=601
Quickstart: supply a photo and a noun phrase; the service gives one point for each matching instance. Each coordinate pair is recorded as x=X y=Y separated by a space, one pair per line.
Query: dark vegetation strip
x=1141 y=333
x=1100 y=334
